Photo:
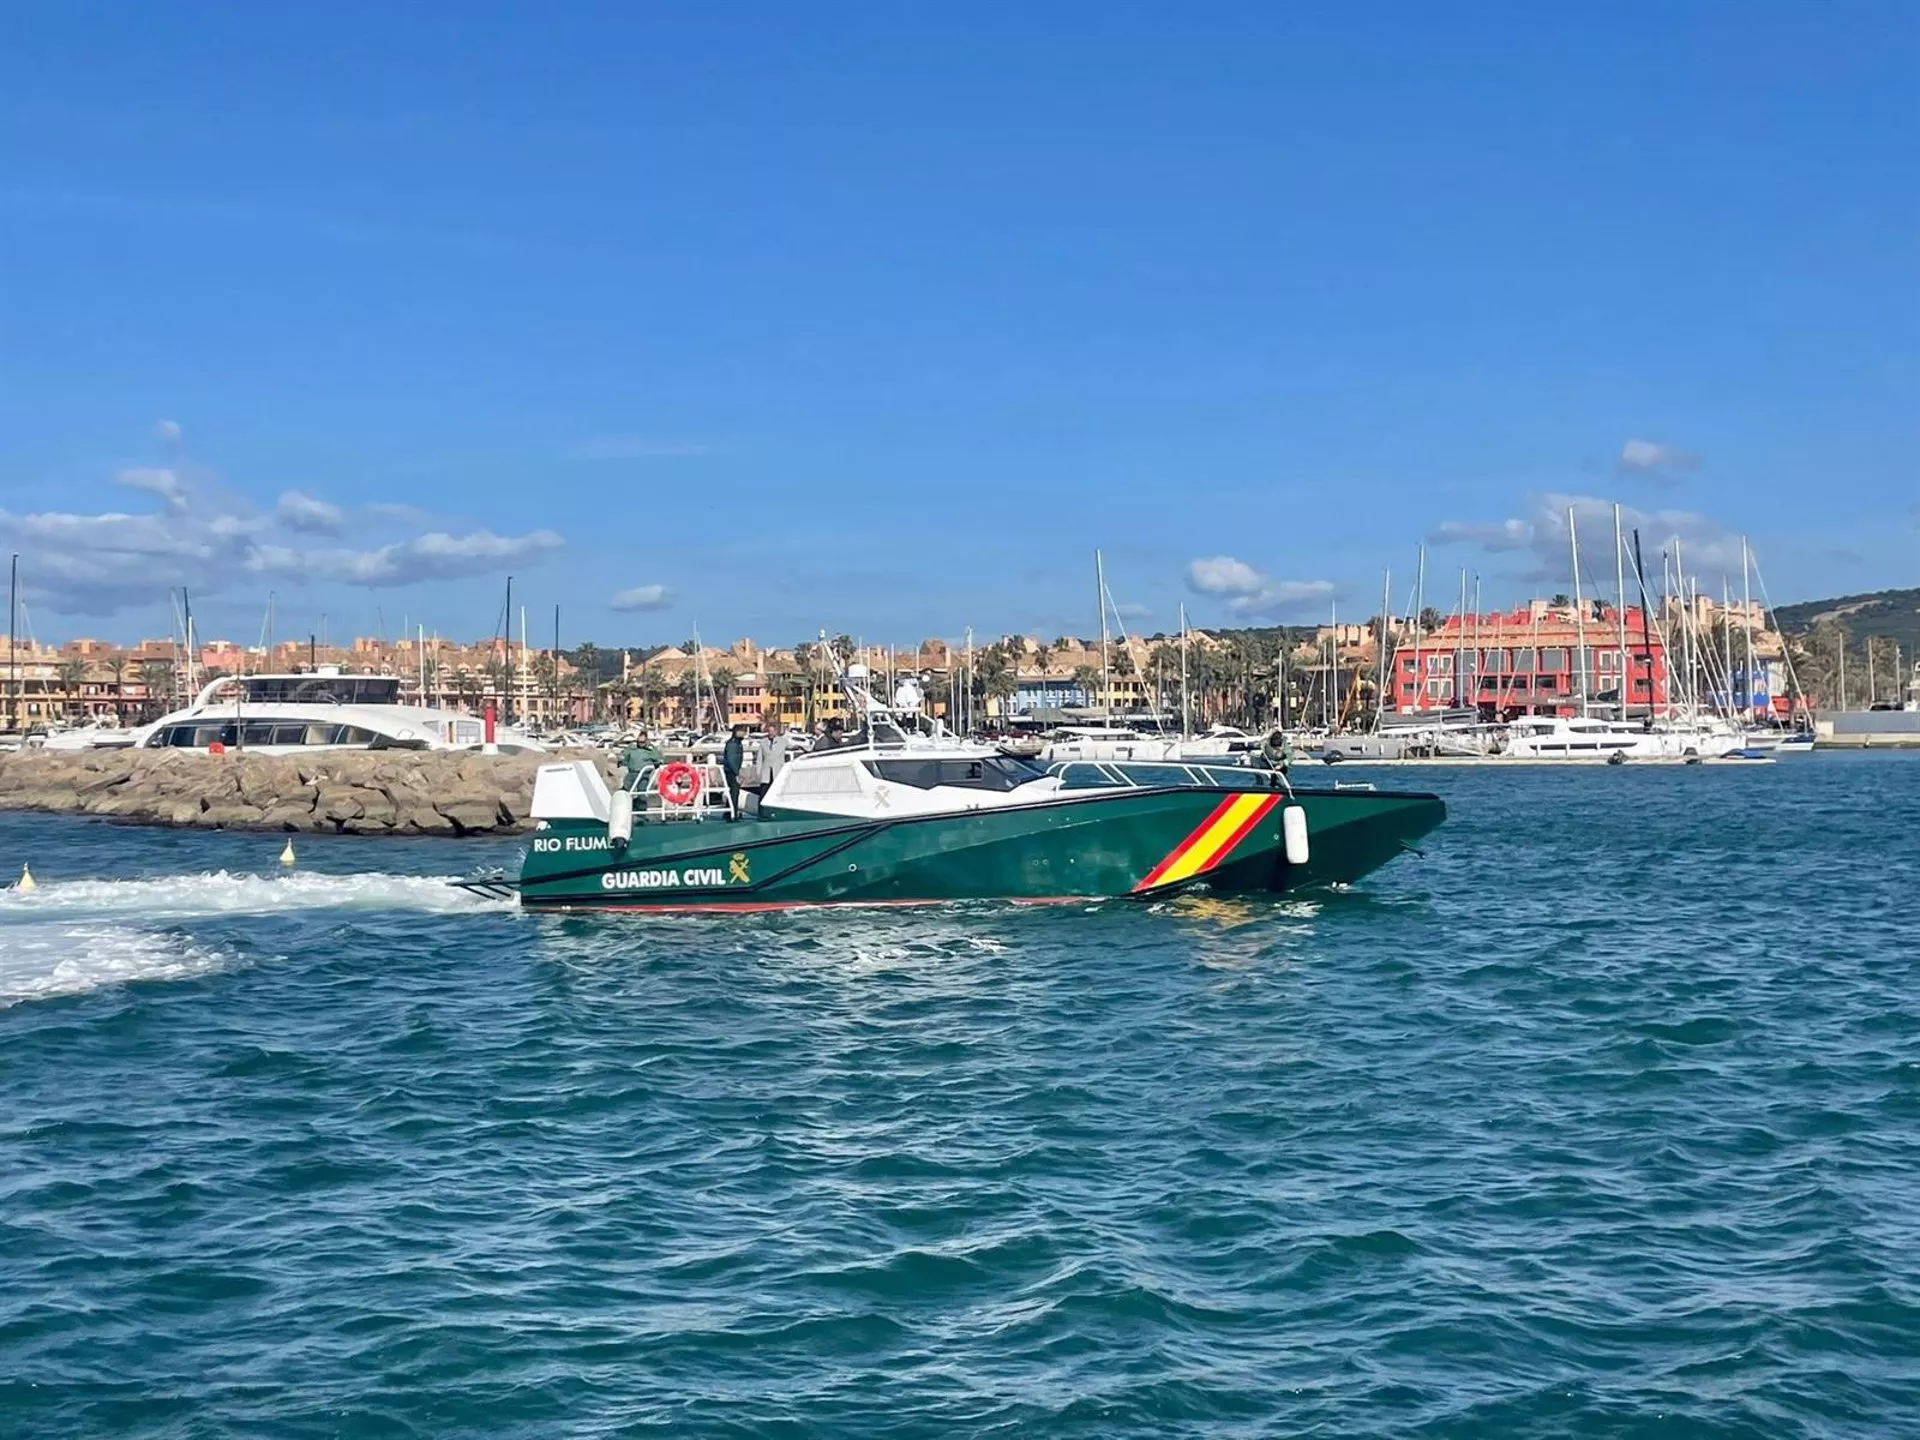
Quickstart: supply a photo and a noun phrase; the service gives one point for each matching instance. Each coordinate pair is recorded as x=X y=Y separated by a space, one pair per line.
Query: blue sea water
x=1603 y=1119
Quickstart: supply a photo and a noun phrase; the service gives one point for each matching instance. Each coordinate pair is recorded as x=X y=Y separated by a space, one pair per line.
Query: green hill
x=1894 y=614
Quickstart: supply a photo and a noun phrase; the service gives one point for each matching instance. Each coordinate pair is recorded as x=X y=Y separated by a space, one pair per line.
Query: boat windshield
x=322 y=689
x=986 y=772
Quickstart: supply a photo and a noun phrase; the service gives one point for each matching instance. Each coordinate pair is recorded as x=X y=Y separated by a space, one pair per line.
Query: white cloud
x=167 y=432
x=1651 y=458
x=99 y=564
x=310 y=516
x=1502 y=535
x=1223 y=575
x=1706 y=547
x=635 y=447
x=434 y=556
x=643 y=597
x=1251 y=595
x=155 y=481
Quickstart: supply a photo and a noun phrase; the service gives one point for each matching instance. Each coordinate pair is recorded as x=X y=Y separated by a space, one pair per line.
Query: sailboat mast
x=1333 y=661
x=1746 y=623
x=506 y=654
x=1419 y=615
x=1460 y=634
x=1186 y=723
x=13 y=646
x=1474 y=651
x=1620 y=613
x=1690 y=685
x=1106 y=666
x=1646 y=639
x=186 y=610
x=1383 y=663
x=1579 y=613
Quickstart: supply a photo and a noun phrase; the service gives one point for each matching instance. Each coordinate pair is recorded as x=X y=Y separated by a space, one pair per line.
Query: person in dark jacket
x=732 y=757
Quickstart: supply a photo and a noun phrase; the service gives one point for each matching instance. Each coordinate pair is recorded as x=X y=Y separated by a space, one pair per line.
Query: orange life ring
x=678 y=783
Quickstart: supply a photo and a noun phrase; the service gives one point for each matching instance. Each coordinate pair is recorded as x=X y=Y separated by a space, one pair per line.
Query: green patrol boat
x=899 y=817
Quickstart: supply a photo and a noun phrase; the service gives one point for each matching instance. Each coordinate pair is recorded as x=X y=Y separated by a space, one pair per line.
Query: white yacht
x=1561 y=737
x=318 y=709
x=1121 y=742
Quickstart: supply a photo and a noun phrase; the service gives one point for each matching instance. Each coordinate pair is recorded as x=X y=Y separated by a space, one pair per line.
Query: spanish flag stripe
x=1212 y=840
x=1231 y=843
x=1173 y=856
x=1224 y=835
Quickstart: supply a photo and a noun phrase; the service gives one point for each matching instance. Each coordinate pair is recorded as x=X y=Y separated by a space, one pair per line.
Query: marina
x=889 y=722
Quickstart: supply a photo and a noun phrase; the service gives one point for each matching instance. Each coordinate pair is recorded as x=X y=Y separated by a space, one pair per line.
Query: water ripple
x=1602 y=1120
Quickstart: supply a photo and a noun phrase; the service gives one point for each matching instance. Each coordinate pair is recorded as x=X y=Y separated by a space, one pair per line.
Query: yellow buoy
x=26 y=881
x=286 y=855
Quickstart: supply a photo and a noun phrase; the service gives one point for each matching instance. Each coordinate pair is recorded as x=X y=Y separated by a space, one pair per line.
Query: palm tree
x=806 y=655
x=73 y=676
x=496 y=672
x=157 y=677
x=653 y=689
x=938 y=688
x=117 y=667
x=1086 y=679
x=994 y=674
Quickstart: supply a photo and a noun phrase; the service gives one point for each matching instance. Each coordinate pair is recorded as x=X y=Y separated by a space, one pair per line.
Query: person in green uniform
x=639 y=760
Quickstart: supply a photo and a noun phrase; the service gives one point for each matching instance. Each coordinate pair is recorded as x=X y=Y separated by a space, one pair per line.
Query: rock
x=470 y=816
x=231 y=815
x=428 y=821
x=362 y=791
x=339 y=802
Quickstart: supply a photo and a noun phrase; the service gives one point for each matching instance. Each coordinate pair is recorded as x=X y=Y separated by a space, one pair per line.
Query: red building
x=1529 y=662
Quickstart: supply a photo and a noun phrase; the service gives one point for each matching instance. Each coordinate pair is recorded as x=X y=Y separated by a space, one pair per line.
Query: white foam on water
x=39 y=962
x=188 y=897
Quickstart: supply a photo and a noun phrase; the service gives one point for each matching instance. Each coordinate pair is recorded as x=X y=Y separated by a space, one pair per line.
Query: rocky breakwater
x=355 y=792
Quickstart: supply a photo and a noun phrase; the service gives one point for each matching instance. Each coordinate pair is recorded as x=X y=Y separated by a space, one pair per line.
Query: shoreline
x=329 y=792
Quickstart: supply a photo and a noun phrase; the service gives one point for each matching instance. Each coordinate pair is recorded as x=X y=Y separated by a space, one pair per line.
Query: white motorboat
x=319 y=709
x=1574 y=738
x=102 y=734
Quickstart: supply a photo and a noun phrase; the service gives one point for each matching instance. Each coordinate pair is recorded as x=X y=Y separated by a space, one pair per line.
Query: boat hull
x=1132 y=843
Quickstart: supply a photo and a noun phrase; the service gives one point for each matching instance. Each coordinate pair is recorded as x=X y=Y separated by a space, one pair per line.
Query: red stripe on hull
x=1260 y=813
x=1173 y=856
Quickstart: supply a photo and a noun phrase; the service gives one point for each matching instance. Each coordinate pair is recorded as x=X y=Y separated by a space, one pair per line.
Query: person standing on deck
x=732 y=757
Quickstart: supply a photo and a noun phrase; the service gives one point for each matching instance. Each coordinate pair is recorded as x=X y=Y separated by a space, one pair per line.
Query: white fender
x=620 y=818
x=1293 y=830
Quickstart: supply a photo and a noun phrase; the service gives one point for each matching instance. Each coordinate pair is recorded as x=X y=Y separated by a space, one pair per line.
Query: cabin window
x=256 y=733
x=319 y=734
x=1082 y=776
x=289 y=735
x=996 y=773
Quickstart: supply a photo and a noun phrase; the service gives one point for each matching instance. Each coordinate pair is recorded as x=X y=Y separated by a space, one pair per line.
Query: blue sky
x=879 y=318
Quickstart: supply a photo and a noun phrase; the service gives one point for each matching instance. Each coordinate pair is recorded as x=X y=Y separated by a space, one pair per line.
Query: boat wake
x=69 y=937
x=40 y=962
x=188 y=897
